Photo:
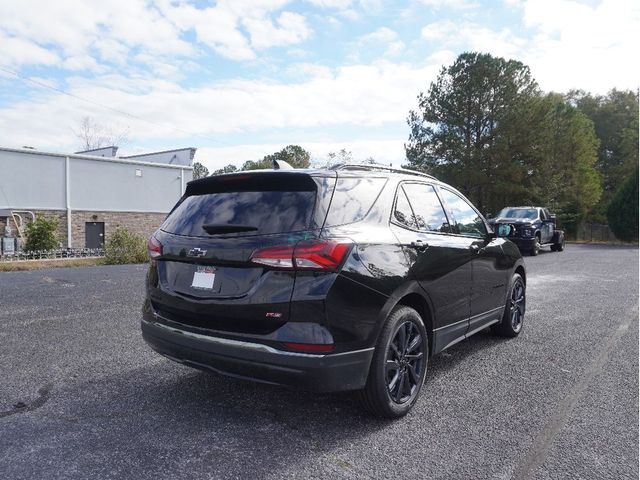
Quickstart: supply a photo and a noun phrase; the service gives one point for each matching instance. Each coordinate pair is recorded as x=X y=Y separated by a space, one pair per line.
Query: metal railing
x=52 y=254
x=595 y=232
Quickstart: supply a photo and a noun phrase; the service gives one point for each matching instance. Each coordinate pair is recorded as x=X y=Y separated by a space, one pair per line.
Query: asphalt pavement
x=82 y=396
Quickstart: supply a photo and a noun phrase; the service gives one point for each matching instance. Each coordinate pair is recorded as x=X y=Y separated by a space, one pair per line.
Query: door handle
x=419 y=245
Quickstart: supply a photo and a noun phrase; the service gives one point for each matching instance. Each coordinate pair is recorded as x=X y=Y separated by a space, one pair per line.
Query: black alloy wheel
x=404 y=362
x=517 y=304
x=398 y=366
x=513 y=317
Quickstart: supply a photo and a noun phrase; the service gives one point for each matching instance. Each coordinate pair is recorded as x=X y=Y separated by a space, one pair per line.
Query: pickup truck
x=530 y=228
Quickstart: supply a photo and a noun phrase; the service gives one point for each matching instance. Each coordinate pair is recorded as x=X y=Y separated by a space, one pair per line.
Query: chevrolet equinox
x=348 y=278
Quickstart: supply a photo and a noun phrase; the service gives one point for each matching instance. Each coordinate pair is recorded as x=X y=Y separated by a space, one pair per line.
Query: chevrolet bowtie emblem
x=197 y=252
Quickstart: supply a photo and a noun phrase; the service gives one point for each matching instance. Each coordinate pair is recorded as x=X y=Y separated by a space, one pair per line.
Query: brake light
x=309 y=347
x=154 y=247
x=305 y=255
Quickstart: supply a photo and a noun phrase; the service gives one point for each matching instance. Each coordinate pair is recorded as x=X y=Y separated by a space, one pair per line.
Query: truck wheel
x=398 y=366
x=513 y=317
x=558 y=242
x=536 y=246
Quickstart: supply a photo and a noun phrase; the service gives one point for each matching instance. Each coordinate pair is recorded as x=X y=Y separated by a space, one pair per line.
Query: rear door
x=205 y=277
x=440 y=261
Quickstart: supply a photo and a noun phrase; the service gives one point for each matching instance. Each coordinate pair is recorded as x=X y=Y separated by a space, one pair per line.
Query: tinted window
x=530 y=213
x=466 y=219
x=430 y=216
x=269 y=212
x=402 y=213
x=352 y=199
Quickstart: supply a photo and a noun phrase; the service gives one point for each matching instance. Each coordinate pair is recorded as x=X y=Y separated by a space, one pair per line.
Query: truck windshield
x=530 y=213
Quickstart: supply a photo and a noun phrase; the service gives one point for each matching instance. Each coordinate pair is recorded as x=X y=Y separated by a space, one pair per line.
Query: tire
x=558 y=242
x=516 y=304
x=536 y=247
x=399 y=365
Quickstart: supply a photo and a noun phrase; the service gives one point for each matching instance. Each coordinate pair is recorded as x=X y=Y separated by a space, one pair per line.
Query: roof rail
x=377 y=167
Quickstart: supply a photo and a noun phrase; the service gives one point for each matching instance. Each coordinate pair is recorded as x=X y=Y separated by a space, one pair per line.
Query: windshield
x=530 y=213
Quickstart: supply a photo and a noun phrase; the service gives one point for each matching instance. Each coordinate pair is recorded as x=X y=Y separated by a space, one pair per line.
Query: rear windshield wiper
x=214 y=228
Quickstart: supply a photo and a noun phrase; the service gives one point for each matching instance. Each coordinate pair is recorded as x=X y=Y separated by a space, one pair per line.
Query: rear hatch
x=205 y=277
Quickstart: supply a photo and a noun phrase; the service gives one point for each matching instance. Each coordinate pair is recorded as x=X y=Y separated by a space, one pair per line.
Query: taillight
x=154 y=247
x=305 y=255
x=309 y=347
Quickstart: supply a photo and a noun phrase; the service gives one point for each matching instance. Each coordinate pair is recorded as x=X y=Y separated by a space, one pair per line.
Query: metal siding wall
x=31 y=181
x=37 y=182
x=109 y=186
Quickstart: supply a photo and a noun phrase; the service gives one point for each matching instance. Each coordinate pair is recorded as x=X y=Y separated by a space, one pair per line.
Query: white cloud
x=450 y=4
x=114 y=31
x=357 y=96
x=383 y=151
x=566 y=44
x=384 y=36
x=20 y=51
x=577 y=46
x=289 y=28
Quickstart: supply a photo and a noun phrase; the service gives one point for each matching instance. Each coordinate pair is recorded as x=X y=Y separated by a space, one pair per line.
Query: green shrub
x=124 y=246
x=42 y=234
x=622 y=212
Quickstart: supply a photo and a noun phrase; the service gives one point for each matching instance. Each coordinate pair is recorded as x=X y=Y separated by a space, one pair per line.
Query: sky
x=239 y=79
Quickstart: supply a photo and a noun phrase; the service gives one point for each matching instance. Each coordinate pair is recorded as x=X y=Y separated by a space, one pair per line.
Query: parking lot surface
x=81 y=396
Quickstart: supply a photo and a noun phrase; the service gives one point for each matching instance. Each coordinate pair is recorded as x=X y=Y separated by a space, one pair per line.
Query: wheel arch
x=521 y=271
x=411 y=295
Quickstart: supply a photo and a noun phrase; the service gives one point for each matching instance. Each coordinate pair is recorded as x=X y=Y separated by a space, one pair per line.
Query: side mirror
x=488 y=215
x=503 y=230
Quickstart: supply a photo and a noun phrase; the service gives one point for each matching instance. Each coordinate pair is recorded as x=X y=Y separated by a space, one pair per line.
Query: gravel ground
x=81 y=396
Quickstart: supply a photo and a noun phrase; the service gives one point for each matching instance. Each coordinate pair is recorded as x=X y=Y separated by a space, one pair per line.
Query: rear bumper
x=259 y=362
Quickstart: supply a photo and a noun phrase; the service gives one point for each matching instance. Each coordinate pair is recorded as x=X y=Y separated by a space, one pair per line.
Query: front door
x=94 y=234
x=489 y=276
x=439 y=261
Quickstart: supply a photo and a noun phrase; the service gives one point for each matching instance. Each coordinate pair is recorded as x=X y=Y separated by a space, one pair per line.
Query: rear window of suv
x=265 y=209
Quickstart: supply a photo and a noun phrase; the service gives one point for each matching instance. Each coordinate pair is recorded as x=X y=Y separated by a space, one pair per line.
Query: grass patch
x=23 y=265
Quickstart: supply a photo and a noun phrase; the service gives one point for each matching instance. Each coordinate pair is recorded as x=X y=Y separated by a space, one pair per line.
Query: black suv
x=331 y=280
x=531 y=228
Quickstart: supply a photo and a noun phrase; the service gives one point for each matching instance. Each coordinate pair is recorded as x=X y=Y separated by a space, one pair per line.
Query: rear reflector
x=154 y=247
x=305 y=255
x=309 y=347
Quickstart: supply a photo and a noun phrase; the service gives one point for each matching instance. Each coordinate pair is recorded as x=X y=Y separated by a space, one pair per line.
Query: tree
x=294 y=155
x=228 y=169
x=256 y=165
x=485 y=127
x=199 y=170
x=622 y=212
x=455 y=132
x=561 y=156
x=94 y=135
x=615 y=117
x=42 y=234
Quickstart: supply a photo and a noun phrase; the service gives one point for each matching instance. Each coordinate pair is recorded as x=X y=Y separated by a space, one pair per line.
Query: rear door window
x=428 y=211
x=402 y=213
x=259 y=212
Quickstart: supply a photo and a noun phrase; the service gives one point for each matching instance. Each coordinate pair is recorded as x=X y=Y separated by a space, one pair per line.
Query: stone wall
x=143 y=224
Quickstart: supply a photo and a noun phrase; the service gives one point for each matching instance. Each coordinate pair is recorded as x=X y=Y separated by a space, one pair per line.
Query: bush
x=622 y=212
x=42 y=234
x=124 y=246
